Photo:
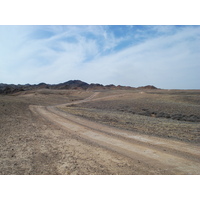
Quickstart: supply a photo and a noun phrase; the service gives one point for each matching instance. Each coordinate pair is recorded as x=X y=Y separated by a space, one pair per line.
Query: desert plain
x=102 y=132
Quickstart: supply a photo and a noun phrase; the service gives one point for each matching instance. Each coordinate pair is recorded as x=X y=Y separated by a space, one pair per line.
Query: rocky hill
x=149 y=87
x=72 y=84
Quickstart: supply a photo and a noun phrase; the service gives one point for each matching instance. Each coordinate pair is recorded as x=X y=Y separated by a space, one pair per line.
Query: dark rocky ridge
x=72 y=84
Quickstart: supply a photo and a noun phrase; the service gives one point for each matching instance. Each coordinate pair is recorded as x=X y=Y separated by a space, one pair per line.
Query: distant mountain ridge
x=69 y=85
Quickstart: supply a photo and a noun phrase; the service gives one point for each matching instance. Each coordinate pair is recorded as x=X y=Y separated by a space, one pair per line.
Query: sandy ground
x=38 y=136
x=169 y=114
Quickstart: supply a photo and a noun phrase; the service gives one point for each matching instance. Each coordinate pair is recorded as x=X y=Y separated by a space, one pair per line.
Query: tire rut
x=172 y=156
x=169 y=146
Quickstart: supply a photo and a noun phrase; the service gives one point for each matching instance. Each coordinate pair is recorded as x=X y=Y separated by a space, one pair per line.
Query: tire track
x=181 y=149
x=173 y=156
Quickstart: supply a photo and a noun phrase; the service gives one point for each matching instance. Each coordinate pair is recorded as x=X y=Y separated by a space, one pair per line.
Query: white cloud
x=169 y=60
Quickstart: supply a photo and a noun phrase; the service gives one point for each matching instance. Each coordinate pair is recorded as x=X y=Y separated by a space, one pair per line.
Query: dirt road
x=173 y=157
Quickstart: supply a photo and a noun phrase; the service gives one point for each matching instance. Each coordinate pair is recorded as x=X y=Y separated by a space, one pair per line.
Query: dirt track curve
x=175 y=157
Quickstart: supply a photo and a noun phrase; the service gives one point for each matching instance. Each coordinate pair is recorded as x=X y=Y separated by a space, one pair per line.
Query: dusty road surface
x=118 y=151
x=48 y=131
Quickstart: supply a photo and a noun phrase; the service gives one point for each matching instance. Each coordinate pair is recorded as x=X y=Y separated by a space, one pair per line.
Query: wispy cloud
x=166 y=56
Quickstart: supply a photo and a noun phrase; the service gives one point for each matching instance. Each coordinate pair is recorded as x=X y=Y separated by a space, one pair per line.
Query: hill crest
x=71 y=84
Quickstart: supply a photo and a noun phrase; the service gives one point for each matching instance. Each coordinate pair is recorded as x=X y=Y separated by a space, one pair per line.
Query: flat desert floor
x=100 y=132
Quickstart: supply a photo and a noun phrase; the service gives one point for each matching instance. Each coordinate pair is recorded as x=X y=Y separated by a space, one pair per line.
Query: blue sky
x=165 y=56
